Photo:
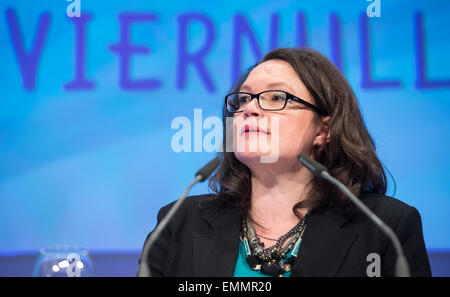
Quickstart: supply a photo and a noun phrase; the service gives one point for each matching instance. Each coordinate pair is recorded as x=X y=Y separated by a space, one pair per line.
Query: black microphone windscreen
x=315 y=167
x=208 y=169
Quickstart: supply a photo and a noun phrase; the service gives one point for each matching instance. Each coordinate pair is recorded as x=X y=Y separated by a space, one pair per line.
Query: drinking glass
x=63 y=261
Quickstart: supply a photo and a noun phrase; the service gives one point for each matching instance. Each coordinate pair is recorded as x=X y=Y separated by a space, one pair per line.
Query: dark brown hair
x=349 y=155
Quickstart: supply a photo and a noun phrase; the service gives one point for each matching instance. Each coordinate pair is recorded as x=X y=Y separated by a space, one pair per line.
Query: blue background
x=92 y=167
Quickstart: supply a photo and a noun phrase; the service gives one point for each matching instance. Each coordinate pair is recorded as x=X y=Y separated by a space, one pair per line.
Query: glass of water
x=63 y=261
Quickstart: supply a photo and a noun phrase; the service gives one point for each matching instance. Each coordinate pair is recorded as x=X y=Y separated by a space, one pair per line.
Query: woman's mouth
x=247 y=129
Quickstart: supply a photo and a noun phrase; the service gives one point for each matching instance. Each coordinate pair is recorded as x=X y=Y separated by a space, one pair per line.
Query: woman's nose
x=252 y=109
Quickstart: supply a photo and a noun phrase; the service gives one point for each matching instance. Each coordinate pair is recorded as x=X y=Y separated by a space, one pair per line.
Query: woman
x=268 y=215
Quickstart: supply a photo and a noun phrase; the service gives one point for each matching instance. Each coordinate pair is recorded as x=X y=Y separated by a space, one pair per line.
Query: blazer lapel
x=324 y=245
x=216 y=251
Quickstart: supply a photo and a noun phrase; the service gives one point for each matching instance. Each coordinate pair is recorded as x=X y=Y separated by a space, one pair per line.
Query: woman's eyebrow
x=268 y=87
x=245 y=88
x=279 y=85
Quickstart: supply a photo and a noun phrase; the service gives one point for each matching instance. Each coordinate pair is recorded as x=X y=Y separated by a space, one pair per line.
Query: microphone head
x=208 y=169
x=315 y=167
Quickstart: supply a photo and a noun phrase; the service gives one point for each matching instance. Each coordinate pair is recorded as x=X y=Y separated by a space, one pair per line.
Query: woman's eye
x=243 y=100
x=277 y=98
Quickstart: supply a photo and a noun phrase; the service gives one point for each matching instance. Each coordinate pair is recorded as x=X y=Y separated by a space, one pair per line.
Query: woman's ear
x=324 y=133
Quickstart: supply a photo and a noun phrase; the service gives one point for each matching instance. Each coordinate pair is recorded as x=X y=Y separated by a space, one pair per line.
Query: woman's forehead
x=274 y=74
x=274 y=67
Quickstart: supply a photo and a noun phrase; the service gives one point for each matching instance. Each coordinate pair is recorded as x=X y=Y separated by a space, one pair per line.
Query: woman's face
x=275 y=136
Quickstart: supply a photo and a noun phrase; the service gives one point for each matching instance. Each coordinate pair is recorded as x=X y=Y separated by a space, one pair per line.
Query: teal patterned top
x=242 y=269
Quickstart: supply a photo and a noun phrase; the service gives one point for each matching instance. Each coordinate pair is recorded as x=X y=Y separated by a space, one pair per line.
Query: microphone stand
x=401 y=266
x=320 y=171
x=200 y=176
x=144 y=270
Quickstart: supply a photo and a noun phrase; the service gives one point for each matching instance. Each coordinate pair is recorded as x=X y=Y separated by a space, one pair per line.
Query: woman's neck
x=274 y=194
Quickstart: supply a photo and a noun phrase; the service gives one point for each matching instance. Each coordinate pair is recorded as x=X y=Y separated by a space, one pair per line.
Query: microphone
x=200 y=176
x=209 y=168
x=320 y=171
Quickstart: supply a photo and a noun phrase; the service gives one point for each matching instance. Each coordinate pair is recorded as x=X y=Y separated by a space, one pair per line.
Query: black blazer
x=202 y=239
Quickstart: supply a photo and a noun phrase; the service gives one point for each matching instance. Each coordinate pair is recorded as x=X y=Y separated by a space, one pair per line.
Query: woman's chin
x=255 y=157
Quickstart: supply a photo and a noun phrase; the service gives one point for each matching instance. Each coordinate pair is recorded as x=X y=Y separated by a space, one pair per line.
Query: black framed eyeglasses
x=268 y=100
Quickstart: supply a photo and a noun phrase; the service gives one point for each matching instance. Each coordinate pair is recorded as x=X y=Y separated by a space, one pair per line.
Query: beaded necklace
x=271 y=260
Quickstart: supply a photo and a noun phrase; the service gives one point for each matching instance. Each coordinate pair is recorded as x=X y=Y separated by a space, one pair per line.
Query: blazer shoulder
x=390 y=209
x=382 y=202
x=191 y=204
